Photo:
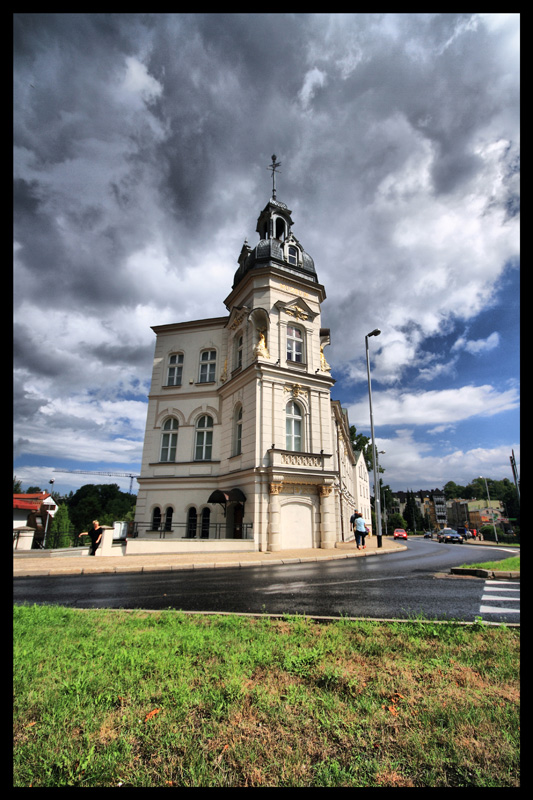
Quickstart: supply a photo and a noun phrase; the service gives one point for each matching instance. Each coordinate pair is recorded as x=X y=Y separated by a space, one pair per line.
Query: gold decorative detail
x=275 y=488
x=237 y=321
x=325 y=491
x=224 y=375
x=295 y=389
x=324 y=366
x=297 y=312
x=261 y=348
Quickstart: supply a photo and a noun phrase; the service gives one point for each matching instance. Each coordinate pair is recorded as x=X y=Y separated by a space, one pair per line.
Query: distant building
x=244 y=448
x=429 y=501
x=33 y=513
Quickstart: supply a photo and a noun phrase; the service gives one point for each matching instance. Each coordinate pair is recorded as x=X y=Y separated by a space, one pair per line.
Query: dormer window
x=292 y=256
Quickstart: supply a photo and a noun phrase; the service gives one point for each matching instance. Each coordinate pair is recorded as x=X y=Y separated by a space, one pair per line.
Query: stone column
x=106 y=542
x=327 y=517
x=274 y=517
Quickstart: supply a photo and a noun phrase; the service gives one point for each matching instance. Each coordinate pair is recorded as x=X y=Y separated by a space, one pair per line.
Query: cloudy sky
x=141 y=147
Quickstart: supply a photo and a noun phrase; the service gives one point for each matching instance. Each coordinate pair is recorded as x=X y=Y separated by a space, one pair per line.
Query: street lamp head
x=375 y=332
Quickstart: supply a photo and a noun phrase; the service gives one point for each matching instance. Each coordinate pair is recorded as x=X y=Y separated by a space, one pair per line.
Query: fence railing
x=53 y=540
x=185 y=530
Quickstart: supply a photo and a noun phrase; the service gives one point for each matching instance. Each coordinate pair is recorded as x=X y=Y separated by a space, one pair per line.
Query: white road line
x=496 y=610
x=500 y=589
x=497 y=597
x=513 y=596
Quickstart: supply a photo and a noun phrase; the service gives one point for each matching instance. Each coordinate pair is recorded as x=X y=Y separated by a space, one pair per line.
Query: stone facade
x=244 y=448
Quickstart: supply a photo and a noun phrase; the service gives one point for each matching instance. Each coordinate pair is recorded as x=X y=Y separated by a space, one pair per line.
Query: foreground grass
x=507 y=565
x=111 y=698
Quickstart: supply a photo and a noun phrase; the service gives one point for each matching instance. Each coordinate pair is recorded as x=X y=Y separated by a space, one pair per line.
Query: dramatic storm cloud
x=141 y=146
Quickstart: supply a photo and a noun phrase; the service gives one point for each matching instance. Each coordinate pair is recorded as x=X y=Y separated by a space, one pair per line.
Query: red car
x=399 y=533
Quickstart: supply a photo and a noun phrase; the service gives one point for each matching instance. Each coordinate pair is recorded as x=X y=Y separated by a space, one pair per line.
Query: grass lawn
x=507 y=565
x=139 y=699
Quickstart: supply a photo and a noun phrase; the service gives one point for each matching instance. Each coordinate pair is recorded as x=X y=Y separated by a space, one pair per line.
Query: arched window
x=206 y=516
x=156 y=518
x=293 y=416
x=295 y=344
x=168 y=518
x=292 y=253
x=237 y=435
x=192 y=518
x=204 y=438
x=169 y=439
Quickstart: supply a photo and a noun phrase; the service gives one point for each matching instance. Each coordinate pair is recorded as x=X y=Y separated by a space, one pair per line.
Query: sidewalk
x=48 y=563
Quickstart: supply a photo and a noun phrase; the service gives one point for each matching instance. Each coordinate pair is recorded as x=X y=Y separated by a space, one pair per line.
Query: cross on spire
x=275 y=164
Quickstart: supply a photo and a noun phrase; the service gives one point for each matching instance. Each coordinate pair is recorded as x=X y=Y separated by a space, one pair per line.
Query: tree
x=453 y=491
x=397 y=521
x=104 y=502
x=412 y=513
x=61 y=521
x=17 y=485
x=361 y=443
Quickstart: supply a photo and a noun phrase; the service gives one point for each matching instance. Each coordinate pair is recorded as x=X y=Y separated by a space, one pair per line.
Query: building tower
x=244 y=448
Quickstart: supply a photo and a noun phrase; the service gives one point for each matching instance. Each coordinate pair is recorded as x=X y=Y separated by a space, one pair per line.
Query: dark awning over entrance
x=231 y=496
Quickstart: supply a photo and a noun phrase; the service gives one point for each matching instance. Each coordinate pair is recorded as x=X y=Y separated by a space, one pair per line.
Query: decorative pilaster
x=274 y=517
x=327 y=517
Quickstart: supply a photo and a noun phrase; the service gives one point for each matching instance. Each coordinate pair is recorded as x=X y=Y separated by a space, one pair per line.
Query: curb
x=100 y=569
x=486 y=573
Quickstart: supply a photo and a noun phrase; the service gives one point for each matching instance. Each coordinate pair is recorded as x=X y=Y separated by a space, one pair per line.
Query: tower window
x=238 y=352
x=295 y=344
x=238 y=432
x=293 y=256
x=293 y=417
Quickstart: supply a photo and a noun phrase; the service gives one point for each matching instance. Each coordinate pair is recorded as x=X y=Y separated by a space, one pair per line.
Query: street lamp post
x=377 y=498
x=492 y=515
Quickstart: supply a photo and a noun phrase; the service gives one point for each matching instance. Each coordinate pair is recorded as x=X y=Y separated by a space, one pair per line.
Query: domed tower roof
x=277 y=246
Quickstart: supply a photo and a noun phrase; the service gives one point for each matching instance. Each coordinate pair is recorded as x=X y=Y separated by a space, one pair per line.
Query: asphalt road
x=412 y=583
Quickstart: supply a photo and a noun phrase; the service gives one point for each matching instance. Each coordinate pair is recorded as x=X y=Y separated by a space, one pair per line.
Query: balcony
x=311 y=462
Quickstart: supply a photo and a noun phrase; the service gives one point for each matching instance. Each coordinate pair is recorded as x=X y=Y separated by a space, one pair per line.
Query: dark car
x=449 y=536
x=428 y=535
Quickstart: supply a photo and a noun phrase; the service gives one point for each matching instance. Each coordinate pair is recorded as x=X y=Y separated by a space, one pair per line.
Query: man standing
x=95 y=536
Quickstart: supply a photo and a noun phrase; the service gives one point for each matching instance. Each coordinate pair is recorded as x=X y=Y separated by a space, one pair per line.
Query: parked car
x=399 y=533
x=449 y=536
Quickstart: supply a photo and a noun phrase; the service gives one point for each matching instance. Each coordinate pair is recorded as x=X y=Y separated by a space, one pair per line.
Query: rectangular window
x=208 y=361
x=175 y=369
x=204 y=444
x=294 y=344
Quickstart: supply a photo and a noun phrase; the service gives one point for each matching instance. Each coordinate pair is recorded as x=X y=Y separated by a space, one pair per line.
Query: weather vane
x=275 y=164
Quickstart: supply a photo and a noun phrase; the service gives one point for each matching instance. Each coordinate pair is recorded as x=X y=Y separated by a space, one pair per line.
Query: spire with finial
x=275 y=164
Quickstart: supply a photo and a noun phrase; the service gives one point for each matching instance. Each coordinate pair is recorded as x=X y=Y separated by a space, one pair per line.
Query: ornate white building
x=244 y=448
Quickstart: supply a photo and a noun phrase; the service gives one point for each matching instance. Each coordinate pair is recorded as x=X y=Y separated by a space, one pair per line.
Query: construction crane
x=112 y=474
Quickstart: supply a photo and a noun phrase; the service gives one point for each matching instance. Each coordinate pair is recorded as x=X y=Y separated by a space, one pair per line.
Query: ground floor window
x=192 y=519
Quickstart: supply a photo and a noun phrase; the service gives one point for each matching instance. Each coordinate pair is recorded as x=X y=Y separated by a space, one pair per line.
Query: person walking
x=95 y=536
x=360 y=532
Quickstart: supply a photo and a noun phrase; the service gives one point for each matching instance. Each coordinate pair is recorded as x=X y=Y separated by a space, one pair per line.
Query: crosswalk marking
x=493 y=592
